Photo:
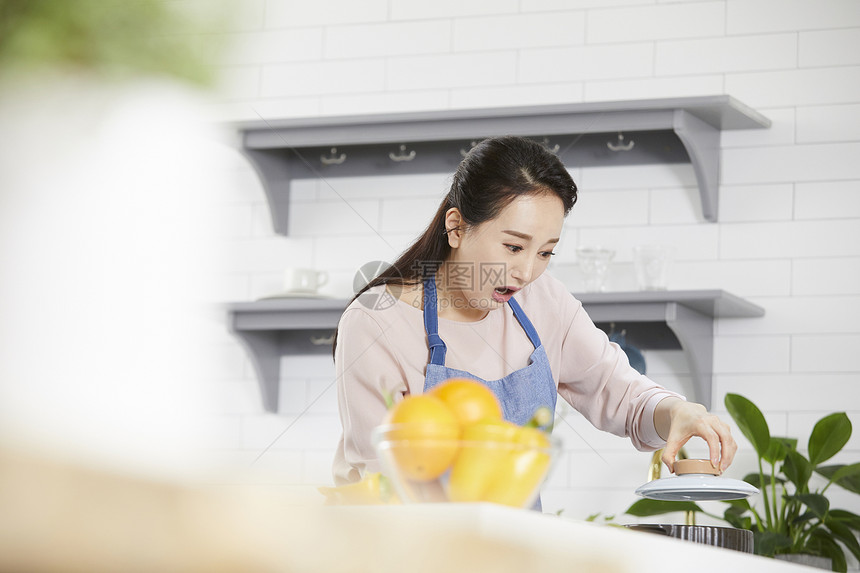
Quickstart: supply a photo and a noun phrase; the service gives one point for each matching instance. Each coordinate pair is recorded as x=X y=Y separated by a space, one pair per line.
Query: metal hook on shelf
x=333 y=158
x=620 y=146
x=464 y=153
x=403 y=156
x=322 y=340
x=553 y=149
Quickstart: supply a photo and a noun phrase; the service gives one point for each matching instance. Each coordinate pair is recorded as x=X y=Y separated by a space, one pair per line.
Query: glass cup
x=594 y=262
x=652 y=264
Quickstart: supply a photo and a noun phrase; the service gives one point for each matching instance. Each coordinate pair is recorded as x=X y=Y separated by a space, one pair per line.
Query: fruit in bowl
x=429 y=430
x=452 y=445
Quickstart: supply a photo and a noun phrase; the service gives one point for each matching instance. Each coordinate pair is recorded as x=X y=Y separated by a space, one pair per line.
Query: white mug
x=301 y=280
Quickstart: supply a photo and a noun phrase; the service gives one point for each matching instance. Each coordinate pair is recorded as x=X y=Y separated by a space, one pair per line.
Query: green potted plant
x=792 y=515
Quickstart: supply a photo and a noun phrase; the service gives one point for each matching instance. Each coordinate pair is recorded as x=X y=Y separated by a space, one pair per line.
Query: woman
x=470 y=298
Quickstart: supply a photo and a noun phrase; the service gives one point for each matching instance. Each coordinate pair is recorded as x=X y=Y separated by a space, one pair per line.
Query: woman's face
x=492 y=261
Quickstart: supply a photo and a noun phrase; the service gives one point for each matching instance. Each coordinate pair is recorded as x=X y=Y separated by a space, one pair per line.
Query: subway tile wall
x=789 y=231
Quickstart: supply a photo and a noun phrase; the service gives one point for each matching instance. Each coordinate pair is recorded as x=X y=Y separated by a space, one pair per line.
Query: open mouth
x=505 y=290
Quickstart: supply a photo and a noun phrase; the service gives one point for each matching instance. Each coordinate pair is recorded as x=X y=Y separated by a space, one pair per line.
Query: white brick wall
x=828 y=47
x=297 y=14
x=670 y=21
x=532 y=31
x=799 y=87
x=376 y=40
x=789 y=230
x=762 y=16
x=733 y=54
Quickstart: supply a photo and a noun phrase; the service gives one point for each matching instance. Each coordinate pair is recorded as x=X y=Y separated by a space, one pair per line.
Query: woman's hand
x=677 y=421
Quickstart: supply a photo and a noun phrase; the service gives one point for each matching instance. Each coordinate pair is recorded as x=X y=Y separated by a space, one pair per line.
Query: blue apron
x=520 y=393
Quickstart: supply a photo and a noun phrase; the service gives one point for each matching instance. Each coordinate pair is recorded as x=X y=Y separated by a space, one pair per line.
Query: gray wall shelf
x=671 y=130
x=272 y=328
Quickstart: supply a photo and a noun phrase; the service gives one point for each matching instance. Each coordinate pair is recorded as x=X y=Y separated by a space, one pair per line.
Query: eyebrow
x=525 y=236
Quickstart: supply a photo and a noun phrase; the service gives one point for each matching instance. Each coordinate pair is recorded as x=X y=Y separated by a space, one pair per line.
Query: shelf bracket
x=702 y=142
x=695 y=333
x=274 y=170
x=264 y=351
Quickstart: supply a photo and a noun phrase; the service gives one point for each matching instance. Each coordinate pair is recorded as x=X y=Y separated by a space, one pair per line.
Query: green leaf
x=736 y=510
x=817 y=503
x=845 y=517
x=769 y=543
x=755 y=480
x=790 y=443
x=735 y=521
x=845 y=535
x=848 y=471
x=775 y=451
x=778 y=449
x=740 y=505
x=649 y=507
x=828 y=436
x=798 y=470
x=842 y=475
x=802 y=518
x=750 y=420
x=820 y=543
x=735 y=517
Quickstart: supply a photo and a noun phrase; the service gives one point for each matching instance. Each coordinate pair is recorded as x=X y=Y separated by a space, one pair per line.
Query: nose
x=522 y=272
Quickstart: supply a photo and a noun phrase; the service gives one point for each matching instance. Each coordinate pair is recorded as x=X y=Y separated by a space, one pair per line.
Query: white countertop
x=101 y=521
x=486 y=537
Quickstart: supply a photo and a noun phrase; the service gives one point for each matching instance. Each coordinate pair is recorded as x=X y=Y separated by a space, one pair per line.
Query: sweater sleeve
x=365 y=364
x=596 y=378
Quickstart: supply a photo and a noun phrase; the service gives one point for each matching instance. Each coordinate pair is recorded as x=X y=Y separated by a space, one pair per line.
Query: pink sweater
x=387 y=348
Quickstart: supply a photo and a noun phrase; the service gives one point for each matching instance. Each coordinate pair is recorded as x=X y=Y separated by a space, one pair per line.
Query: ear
x=454 y=227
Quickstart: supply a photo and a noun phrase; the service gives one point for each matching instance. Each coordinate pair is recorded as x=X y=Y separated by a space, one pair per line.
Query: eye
x=514 y=248
x=546 y=254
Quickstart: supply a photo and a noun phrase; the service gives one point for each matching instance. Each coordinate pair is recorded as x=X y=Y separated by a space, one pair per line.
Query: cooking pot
x=728 y=537
x=696 y=480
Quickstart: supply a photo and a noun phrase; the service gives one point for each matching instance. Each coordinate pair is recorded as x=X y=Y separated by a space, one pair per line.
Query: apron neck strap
x=525 y=322
x=431 y=323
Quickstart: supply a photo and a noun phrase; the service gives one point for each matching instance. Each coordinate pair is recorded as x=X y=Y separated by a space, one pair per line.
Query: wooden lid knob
x=683 y=467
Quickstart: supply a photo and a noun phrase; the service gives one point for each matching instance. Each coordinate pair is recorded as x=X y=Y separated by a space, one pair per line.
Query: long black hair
x=494 y=173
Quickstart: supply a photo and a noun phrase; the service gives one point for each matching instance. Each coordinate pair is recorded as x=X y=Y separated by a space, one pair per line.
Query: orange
x=485 y=448
x=499 y=462
x=423 y=436
x=524 y=470
x=470 y=400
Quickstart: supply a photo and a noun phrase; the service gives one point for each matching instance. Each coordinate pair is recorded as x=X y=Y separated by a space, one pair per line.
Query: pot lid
x=696 y=481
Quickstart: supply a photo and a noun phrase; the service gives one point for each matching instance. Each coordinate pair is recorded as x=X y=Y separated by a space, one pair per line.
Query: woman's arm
x=365 y=368
x=596 y=378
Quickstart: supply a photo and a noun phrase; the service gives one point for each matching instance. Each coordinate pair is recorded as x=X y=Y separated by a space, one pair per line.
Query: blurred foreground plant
x=113 y=39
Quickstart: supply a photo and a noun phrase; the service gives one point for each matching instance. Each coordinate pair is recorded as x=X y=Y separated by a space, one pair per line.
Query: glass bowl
x=488 y=465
